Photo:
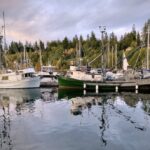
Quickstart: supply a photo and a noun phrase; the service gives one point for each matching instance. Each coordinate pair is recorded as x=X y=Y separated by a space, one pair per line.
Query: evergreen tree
x=145 y=29
x=41 y=45
x=65 y=43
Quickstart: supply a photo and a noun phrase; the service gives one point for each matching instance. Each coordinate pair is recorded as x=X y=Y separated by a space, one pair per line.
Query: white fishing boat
x=82 y=73
x=48 y=76
x=48 y=70
x=25 y=78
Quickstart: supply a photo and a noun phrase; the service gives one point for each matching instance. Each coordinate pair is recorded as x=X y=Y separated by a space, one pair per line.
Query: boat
x=48 y=76
x=48 y=70
x=78 y=74
x=24 y=78
x=76 y=77
x=127 y=79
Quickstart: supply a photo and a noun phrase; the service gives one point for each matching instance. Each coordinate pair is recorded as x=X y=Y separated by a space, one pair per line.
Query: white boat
x=25 y=78
x=48 y=76
x=48 y=70
x=81 y=73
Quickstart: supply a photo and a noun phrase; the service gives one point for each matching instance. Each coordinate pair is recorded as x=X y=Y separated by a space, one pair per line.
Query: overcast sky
x=31 y=20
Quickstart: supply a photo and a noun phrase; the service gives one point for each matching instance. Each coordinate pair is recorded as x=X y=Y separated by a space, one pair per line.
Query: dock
x=117 y=86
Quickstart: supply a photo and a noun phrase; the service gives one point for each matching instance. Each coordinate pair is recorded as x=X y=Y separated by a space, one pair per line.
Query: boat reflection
x=5 y=124
x=81 y=103
x=120 y=104
x=16 y=102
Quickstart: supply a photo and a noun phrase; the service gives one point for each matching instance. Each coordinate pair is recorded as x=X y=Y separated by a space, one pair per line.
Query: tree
x=41 y=45
x=145 y=29
x=138 y=39
x=65 y=43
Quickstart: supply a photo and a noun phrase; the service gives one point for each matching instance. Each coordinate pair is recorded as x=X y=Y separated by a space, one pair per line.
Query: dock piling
x=136 y=88
x=116 y=88
x=84 y=86
x=96 y=89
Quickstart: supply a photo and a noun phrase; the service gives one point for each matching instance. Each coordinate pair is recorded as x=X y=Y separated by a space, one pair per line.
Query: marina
x=74 y=76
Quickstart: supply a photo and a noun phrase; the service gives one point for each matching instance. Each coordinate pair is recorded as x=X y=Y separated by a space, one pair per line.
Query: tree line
x=62 y=53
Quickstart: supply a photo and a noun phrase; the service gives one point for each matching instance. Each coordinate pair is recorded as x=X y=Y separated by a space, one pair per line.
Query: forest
x=63 y=53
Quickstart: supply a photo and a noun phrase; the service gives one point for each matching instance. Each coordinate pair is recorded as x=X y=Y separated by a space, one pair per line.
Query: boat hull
x=24 y=83
x=142 y=85
x=66 y=82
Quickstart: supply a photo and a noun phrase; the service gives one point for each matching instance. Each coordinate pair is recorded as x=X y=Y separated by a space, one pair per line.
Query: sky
x=47 y=20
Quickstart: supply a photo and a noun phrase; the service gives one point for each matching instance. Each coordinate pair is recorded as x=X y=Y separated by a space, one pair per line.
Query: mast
x=108 y=54
x=103 y=31
x=148 y=30
x=4 y=32
x=80 y=58
x=112 y=56
x=1 y=49
x=76 y=59
x=24 y=57
x=116 y=59
x=40 y=57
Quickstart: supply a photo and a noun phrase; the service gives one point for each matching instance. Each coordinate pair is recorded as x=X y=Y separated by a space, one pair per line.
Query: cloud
x=54 y=19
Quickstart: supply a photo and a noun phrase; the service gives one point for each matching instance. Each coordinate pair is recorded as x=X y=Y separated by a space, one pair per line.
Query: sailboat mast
x=112 y=56
x=116 y=59
x=148 y=30
x=80 y=59
x=4 y=31
x=24 y=56
x=76 y=59
x=103 y=31
x=108 y=54
x=40 y=57
x=1 y=37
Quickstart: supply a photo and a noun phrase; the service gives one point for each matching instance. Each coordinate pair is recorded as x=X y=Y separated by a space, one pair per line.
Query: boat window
x=5 y=78
x=29 y=75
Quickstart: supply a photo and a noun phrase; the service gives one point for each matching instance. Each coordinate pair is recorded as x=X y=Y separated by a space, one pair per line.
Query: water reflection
x=109 y=121
x=112 y=102
x=5 y=125
x=20 y=100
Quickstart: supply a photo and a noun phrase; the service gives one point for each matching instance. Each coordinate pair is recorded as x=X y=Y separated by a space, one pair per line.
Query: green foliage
x=62 y=52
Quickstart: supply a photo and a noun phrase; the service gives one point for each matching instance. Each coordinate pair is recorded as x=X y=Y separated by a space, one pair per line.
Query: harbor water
x=50 y=119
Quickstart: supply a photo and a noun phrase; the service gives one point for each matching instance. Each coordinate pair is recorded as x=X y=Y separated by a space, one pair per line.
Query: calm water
x=43 y=119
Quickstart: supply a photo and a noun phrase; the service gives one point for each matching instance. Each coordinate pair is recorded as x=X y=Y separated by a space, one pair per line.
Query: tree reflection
x=112 y=104
x=126 y=116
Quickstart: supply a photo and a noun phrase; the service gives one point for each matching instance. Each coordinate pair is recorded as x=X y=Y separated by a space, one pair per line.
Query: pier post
x=84 y=89
x=96 y=89
x=84 y=92
x=84 y=86
x=116 y=88
x=136 y=88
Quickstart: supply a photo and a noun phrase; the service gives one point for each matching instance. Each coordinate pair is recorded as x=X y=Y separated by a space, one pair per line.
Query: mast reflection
x=81 y=103
x=112 y=104
x=5 y=124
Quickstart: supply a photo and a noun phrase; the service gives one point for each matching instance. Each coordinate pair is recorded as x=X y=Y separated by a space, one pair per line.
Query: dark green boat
x=67 y=82
x=70 y=83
